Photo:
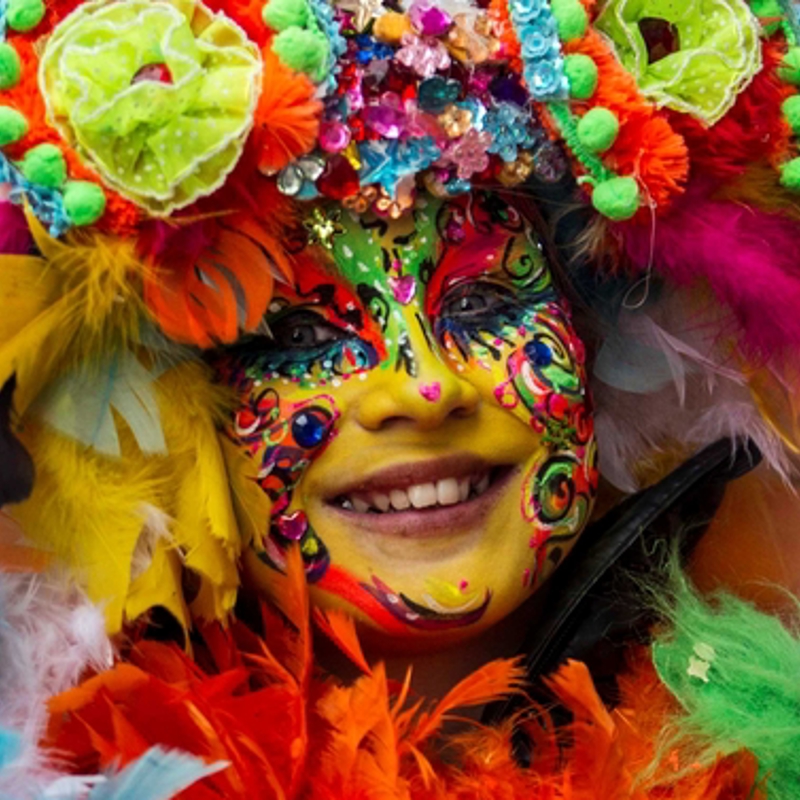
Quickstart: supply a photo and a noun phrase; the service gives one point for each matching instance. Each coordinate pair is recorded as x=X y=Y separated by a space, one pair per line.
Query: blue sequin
x=328 y=24
x=543 y=66
x=370 y=48
x=386 y=163
x=511 y=130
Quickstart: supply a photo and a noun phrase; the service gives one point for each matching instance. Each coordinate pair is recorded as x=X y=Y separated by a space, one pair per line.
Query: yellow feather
x=251 y=504
x=159 y=585
x=86 y=509
x=205 y=526
x=78 y=302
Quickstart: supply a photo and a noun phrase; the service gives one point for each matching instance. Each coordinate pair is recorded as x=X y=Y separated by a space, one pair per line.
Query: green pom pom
x=283 y=14
x=616 y=198
x=303 y=51
x=789 y=69
x=581 y=72
x=13 y=126
x=44 y=165
x=10 y=67
x=790 y=175
x=571 y=18
x=23 y=15
x=791 y=110
x=597 y=129
x=84 y=202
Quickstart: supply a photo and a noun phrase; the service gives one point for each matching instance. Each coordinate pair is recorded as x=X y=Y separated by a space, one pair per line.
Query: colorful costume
x=221 y=220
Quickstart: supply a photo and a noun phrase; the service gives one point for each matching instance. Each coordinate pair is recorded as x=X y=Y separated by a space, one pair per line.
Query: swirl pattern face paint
x=418 y=418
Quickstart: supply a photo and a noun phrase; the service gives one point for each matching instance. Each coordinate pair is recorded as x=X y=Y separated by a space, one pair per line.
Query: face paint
x=431 y=355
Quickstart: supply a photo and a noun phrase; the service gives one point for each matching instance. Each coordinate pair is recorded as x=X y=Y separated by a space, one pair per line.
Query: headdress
x=157 y=156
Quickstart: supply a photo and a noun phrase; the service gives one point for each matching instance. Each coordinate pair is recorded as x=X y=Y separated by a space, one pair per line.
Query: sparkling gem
x=429 y=19
x=309 y=428
x=403 y=288
x=338 y=180
x=153 y=72
x=292 y=526
x=290 y=180
x=386 y=117
x=435 y=94
x=311 y=167
x=539 y=353
x=334 y=136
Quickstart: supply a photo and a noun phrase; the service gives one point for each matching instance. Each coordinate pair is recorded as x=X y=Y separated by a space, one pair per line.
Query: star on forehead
x=323 y=227
x=363 y=11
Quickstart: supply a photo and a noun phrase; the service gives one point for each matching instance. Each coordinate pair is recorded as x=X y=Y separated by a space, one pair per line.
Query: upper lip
x=401 y=476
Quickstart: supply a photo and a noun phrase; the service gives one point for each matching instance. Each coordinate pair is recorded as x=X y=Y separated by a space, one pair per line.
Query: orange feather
x=341 y=630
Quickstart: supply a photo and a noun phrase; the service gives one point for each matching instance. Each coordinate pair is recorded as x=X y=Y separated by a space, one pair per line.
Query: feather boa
x=288 y=732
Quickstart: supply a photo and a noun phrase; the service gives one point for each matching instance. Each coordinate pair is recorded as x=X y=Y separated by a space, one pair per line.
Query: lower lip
x=429 y=523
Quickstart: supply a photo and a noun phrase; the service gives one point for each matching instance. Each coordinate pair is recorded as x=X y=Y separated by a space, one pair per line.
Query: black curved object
x=596 y=598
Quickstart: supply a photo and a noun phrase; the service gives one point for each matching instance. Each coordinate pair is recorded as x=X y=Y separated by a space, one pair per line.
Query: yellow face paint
x=419 y=419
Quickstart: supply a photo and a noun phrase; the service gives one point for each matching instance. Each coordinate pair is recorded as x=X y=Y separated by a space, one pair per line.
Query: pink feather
x=14 y=236
x=748 y=258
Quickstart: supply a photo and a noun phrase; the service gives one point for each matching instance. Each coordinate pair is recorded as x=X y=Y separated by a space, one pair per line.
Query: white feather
x=49 y=635
x=705 y=398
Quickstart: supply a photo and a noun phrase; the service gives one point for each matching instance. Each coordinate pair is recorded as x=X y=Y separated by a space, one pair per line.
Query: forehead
x=435 y=246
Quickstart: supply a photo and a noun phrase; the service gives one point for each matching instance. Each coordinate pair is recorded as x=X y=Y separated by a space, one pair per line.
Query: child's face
x=419 y=420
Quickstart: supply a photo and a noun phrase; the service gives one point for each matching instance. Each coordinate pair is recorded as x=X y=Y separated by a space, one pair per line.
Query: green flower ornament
x=715 y=51
x=158 y=97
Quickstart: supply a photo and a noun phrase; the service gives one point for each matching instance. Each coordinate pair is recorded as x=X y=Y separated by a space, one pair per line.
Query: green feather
x=736 y=672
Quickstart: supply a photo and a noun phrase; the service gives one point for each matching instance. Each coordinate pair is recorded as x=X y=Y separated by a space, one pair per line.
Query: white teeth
x=359 y=506
x=422 y=495
x=381 y=501
x=399 y=500
x=447 y=492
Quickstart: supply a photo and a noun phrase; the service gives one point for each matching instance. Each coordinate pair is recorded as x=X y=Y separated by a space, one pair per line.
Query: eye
x=468 y=300
x=304 y=330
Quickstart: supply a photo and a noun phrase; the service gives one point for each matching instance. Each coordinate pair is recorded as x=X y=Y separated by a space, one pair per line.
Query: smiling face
x=419 y=420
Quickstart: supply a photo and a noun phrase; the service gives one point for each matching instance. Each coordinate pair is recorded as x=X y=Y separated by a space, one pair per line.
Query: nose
x=424 y=392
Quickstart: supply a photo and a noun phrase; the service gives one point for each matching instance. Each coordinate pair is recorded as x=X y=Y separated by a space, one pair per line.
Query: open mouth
x=429 y=495
x=424 y=499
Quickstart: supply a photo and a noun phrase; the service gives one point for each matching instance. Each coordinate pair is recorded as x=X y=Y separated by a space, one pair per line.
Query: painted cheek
x=284 y=437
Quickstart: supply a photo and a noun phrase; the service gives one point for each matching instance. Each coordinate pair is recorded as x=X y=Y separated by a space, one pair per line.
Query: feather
x=14 y=235
x=745 y=693
x=758 y=279
x=50 y=634
x=341 y=630
x=199 y=500
x=667 y=382
x=62 y=309
x=211 y=278
x=81 y=404
x=156 y=775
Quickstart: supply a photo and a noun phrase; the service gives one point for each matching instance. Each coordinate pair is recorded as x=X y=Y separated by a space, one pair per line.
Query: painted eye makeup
x=303 y=330
x=303 y=345
x=478 y=313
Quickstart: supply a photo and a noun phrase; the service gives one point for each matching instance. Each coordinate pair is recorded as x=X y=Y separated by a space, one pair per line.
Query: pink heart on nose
x=431 y=391
x=403 y=288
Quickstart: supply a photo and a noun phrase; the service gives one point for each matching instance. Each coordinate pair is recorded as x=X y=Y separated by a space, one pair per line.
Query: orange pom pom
x=287 y=117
